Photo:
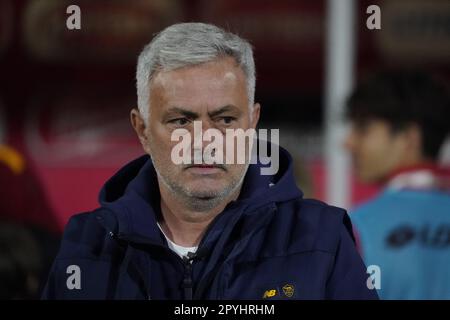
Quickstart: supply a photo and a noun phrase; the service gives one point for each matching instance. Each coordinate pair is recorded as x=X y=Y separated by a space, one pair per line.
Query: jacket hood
x=132 y=195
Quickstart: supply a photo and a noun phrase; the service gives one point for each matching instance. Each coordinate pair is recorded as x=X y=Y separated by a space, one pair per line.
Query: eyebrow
x=195 y=115
x=224 y=109
x=184 y=112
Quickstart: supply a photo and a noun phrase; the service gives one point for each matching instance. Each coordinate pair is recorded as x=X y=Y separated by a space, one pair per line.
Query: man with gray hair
x=202 y=229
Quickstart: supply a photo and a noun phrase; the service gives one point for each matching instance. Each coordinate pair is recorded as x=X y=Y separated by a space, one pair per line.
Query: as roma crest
x=288 y=290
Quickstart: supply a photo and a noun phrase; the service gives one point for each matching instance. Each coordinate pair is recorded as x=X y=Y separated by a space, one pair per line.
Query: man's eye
x=227 y=120
x=179 y=121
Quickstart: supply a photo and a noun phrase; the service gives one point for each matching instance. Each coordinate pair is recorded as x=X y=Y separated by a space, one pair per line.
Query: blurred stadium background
x=65 y=95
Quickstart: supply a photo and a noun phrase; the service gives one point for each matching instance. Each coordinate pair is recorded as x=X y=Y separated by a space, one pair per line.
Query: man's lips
x=205 y=167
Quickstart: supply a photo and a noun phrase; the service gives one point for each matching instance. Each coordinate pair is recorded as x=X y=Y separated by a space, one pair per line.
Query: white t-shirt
x=179 y=250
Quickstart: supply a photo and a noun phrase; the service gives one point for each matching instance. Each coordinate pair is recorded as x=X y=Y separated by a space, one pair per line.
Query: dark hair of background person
x=403 y=98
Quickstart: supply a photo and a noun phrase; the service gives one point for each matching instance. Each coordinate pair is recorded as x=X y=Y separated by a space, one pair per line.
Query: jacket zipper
x=187 y=279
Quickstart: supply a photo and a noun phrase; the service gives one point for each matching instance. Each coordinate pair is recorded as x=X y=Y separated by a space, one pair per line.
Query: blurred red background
x=66 y=94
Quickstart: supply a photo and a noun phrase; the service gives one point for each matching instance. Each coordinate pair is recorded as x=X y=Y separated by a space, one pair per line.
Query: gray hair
x=187 y=44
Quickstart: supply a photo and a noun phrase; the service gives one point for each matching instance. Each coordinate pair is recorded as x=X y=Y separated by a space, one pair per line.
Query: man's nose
x=207 y=133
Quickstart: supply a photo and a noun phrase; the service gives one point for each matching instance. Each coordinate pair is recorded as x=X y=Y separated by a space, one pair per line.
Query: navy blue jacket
x=268 y=244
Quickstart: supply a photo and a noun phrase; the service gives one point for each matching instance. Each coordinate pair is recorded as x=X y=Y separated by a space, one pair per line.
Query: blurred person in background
x=29 y=232
x=20 y=262
x=24 y=208
x=23 y=201
x=399 y=121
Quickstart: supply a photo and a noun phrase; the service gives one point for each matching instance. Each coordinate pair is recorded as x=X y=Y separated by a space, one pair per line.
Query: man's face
x=214 y=93
x=375 y=149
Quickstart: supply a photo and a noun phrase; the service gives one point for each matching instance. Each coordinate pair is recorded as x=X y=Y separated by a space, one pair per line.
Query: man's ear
x=139 y=127
x=255 y=115
x=414 y=137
